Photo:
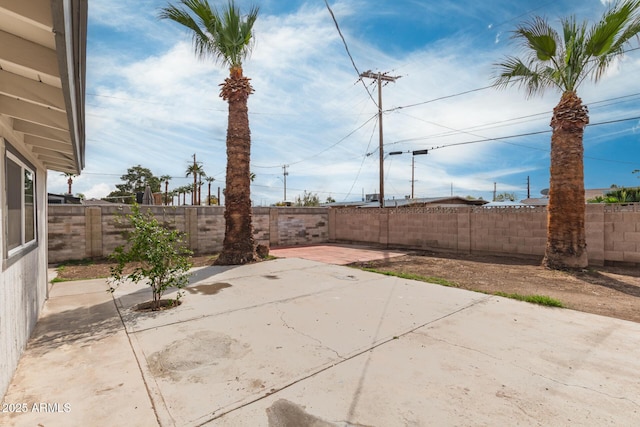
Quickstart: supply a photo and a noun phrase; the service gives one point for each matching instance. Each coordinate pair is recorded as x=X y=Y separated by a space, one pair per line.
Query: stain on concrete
x=283 y=413
x=184 y=357
x=208 y=288
x=270 y=277
x=288 y=414
x=349 y=277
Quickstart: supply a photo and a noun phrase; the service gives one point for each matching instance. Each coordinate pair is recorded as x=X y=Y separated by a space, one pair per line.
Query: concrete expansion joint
x=130 y=338
x=284 y=322
x=584 y=387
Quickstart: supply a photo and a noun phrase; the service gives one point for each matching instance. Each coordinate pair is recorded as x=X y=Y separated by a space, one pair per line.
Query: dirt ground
x=607 y=291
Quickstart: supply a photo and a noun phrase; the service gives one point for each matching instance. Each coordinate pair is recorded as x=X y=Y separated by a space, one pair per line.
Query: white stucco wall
x=23 y=278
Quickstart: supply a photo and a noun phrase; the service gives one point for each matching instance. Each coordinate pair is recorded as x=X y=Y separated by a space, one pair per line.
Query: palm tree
x=209 y=179
x=196 y=170
x=70 y=180
x=562 y=61
x=227 y=36
x=166 y=179
x=187 y=189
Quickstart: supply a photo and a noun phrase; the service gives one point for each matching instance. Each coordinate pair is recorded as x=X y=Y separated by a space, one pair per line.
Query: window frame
x=25 y=166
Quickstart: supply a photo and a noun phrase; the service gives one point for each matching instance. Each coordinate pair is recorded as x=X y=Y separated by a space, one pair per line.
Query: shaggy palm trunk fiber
x=238 y=246
x=566 y=243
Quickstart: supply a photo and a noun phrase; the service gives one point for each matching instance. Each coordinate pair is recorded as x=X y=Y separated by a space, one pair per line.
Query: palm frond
x=534 y=78
x=566 y=59
x=539 y=37
x=573 y=55
x=608 y=38
x=224 y=35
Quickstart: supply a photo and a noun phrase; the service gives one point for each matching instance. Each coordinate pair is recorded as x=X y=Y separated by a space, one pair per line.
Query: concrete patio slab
x=295 y=342
x=334 y=253
x=78 y=368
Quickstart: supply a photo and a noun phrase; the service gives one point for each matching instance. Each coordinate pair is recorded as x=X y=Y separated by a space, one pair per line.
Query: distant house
x=411 y=203
x=63 y=199
x=96 y=202
x=42 y=89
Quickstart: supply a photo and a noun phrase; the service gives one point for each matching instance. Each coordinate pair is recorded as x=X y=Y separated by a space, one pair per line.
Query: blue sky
x=151 y=102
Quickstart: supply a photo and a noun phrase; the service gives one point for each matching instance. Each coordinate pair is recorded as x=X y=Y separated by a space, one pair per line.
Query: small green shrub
x=158 y=255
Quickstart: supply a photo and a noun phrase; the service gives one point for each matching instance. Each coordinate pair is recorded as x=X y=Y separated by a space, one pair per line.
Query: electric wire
x=346 y=47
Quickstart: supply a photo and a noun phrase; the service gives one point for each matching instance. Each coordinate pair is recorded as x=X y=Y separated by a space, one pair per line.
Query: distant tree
x=618 y=195
x=70 y=177
x=184 y=190
x=330 y=200
x=197 y=172
x=562 y=60
x=166 y=179
x=210 y=180
x=134 y=181
x=503 y=197
x=307 y=199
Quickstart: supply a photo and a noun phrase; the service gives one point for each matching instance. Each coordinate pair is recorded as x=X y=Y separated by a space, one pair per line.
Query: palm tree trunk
x=238 y=246
x=566 y=242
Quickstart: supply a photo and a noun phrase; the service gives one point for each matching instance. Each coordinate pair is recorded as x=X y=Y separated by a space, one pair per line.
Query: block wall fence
x=79 y=232
x=613 y=231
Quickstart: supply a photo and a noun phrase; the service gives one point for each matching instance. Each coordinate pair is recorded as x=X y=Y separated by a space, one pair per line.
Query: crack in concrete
x=633 y=402
x=284 y=322
x=343 y=360
x=234 y=310
x=528 y=370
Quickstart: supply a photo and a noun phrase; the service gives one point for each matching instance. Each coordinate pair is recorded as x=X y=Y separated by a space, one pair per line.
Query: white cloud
x=157 y=109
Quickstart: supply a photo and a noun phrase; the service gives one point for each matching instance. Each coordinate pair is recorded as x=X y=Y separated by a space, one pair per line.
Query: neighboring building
x=451 y=201
x=63 y=199
x=42 y=89
x=96 y=202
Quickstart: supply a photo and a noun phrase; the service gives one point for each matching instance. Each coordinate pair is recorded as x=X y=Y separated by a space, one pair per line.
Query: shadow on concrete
x=76 y=326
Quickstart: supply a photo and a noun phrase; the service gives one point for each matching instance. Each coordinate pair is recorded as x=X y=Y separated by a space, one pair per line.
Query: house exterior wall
x=23 y=282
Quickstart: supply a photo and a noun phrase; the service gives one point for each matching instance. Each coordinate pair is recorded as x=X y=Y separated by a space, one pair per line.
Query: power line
x=324 y=150
x=364 y=158
x=529 y=133
x=491 y=125
x=465 y=92
x=346 y=47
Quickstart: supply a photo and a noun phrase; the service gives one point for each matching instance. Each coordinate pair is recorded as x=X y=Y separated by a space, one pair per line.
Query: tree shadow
x=81 y=325
x=596 y=278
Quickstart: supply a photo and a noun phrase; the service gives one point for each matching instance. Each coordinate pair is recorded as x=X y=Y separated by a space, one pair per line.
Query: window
x=21 y=217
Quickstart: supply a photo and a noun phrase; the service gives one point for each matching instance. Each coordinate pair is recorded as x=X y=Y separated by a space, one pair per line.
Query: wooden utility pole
x=413 y=168
x=285 y=174
x=380 y=77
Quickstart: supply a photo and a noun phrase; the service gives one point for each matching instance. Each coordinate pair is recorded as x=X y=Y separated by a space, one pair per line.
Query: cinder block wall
x=79 y=232
x=612 y=231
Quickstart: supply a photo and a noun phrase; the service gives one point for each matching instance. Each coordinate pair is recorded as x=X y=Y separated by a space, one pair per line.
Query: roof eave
x=70 y=28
